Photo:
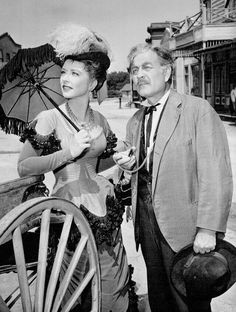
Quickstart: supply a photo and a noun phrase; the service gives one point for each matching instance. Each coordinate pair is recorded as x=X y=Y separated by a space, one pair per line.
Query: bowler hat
x=204 y=276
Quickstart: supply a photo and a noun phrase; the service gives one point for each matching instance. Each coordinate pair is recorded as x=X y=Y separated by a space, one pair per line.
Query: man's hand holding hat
x=205 y=241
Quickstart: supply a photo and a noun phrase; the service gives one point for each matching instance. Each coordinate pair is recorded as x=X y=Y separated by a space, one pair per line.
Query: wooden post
x=203 y=72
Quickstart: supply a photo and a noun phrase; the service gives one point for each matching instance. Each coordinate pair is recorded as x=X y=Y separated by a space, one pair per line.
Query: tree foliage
x=115 y=82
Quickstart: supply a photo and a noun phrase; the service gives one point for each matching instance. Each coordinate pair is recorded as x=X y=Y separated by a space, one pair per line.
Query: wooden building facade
x=8 y=48
x=204 y=49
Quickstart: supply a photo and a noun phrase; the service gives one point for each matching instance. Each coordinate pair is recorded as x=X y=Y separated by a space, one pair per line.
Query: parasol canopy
x=29 y=84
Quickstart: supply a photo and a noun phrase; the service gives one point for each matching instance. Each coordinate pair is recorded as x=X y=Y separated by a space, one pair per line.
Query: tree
x=115 y=82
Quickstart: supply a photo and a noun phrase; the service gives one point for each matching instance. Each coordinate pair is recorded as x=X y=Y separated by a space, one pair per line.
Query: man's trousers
x=158 y=257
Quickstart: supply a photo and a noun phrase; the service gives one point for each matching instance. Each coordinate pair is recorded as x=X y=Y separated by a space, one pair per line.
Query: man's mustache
x=141 y=82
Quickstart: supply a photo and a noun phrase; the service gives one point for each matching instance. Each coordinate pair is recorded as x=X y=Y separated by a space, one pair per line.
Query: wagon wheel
x=39 y=292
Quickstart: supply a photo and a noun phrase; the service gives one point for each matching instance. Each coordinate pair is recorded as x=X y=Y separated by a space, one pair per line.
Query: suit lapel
x=167 y=126
x=136 y=129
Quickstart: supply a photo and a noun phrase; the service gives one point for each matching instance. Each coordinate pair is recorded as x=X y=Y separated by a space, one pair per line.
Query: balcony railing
x=206 y=16
x=188 y=23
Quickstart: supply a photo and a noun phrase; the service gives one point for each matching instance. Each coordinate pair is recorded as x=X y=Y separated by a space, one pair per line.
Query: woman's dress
x=77 y=181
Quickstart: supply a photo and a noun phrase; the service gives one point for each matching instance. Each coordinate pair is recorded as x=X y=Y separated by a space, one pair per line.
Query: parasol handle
x=38 y=86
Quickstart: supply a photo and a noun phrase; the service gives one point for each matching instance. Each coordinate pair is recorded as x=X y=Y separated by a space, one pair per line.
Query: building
x=8 y=48
x=129 y=92
x=204 y=49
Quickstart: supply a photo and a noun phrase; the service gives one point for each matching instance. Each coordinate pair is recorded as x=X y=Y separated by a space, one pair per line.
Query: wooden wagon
x=34 y=233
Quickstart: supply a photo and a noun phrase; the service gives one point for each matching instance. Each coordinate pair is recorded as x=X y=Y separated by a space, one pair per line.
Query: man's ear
x=167 y=72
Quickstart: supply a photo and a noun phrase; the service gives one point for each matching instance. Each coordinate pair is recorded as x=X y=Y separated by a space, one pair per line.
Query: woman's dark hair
x=96 y=71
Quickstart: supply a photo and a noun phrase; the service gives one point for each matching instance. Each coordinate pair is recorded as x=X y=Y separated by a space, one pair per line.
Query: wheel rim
x=44 y=212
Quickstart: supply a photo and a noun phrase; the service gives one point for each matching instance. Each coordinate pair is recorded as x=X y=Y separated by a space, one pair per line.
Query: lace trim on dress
x=102 y=227
x=111 y=144
x=47 y=143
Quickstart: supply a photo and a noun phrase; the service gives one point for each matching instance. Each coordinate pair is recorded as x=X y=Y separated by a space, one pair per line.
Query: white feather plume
x=72 y=39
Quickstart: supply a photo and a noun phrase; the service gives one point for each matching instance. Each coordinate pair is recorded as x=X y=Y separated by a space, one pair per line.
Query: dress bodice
x=76 y=179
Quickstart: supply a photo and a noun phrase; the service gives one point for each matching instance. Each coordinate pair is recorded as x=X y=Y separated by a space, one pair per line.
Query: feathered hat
x=72 y=41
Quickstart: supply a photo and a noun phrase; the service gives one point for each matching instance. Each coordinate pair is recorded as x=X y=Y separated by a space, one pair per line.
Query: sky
x=123 y=23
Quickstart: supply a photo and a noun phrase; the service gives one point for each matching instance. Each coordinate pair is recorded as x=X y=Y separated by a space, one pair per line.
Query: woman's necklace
x=81 y=124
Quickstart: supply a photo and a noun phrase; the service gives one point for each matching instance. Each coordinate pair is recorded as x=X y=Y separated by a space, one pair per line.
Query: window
x=186 y=80
x=220 y=78
x=208 y=84
x=232 y=4
x=232 y=9
x=196 y=80
x=208 y=10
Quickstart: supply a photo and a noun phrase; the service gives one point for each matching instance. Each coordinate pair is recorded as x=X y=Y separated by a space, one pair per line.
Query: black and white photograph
x=118 y=156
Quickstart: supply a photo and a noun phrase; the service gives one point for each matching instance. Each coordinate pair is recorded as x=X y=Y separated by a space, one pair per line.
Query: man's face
x=149 y=76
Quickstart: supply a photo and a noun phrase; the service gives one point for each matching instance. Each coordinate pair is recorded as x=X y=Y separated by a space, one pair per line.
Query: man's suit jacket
x=192 y=178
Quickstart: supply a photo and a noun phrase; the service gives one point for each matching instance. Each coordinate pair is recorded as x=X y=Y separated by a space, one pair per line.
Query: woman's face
x=75 y=80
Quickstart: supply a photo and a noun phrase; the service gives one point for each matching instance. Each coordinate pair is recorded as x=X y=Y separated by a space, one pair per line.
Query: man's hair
x=164 y=55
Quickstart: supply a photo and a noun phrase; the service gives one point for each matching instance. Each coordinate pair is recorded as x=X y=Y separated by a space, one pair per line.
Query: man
x=182 y=194
x=233 y=100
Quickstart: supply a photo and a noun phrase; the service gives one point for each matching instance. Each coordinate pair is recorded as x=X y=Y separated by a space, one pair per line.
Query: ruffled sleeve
x=42 y=151
x=48 y=144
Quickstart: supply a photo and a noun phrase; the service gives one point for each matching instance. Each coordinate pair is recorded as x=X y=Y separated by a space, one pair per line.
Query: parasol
x=29 y=84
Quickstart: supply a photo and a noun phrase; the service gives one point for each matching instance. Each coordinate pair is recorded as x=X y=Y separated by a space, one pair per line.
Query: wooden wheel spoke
x=57 y=262
x=79 y=290
x=21 y=270
x=16 y=291
x=42 y=260
x=69 y=273
x=43 y=290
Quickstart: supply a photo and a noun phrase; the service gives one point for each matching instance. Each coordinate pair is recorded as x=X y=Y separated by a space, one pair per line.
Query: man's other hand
x=205 y=241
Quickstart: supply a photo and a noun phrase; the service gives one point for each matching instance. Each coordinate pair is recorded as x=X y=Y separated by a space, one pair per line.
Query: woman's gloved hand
x=79 y=142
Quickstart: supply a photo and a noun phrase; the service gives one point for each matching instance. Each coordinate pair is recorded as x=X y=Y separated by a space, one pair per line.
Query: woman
x=74 y=156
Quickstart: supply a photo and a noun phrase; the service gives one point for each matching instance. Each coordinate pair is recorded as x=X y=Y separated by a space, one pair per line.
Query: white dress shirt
x=155 y=119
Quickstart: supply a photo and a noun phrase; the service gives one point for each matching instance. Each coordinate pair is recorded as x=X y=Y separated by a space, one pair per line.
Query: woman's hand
x=79 y=142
